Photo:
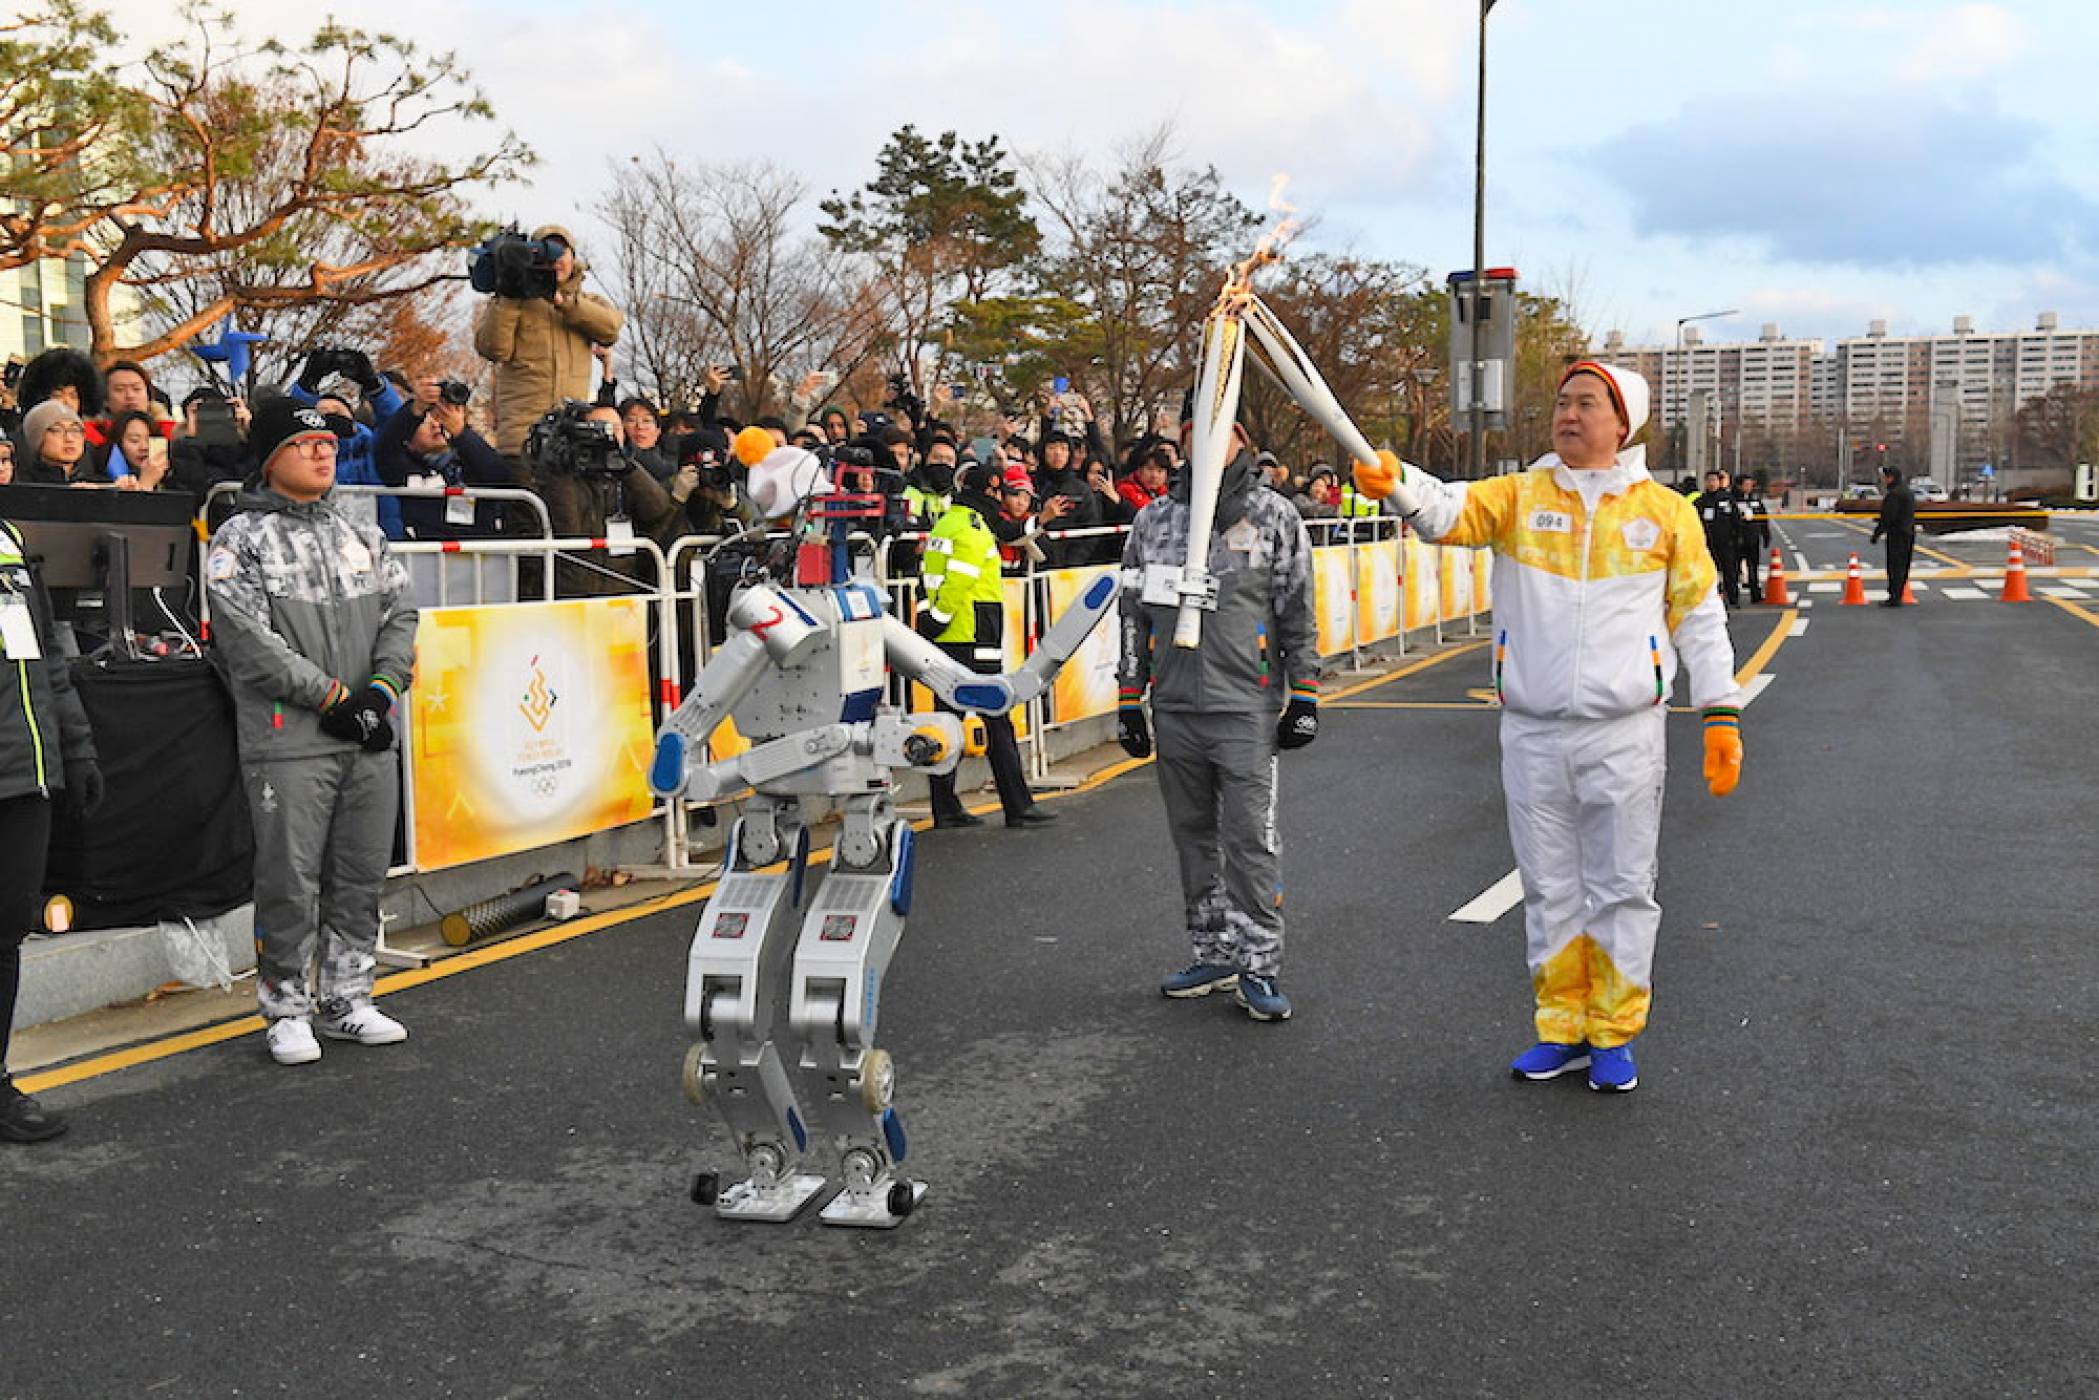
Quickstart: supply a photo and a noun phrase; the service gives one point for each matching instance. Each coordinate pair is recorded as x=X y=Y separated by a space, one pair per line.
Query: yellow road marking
x=2075 y=611
x=1416 y=705
x=184 y=1041
x=1412 y=668
x=1769 y=649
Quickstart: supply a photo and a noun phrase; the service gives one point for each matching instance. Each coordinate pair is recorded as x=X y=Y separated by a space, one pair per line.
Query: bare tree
x=714 y=270
x=237 y=177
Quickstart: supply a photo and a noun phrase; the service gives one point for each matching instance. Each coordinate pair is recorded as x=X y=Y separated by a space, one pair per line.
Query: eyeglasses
x=67 y=430
x=313 y=446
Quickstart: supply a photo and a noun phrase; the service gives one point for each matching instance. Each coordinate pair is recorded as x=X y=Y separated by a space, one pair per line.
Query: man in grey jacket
x=1222 y=710
x=315 y=629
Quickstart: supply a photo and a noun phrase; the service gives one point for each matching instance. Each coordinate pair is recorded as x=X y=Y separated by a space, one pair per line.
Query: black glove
x=358 y=366
x=929 y=626
x=84 y=786
x=319 y=365
x=1299 y=725
x=1134 y=732
x=361 y=720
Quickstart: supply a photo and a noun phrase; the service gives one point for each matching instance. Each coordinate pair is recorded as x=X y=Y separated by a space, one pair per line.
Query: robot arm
x=964 y=689
x=726 y=678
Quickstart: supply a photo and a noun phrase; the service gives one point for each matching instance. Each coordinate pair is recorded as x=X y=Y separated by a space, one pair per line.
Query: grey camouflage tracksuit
x=1214 y=708
x=302 y=597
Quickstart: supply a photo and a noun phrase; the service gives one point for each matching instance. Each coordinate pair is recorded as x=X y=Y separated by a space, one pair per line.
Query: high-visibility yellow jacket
x=959 y=582
x=1592 y=605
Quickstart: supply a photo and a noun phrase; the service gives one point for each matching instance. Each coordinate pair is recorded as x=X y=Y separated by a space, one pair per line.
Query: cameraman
x=540 y=346
x=428 y=442
x=578 y=457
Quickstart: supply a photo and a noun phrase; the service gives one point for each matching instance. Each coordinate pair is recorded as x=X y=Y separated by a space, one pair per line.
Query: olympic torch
x=1216 y=406
x=1286 y=362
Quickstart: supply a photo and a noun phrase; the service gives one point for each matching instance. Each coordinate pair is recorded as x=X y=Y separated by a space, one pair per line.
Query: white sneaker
x=292 y=1043
x=362 y=1022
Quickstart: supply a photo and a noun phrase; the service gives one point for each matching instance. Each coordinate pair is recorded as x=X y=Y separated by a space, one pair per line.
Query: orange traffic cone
x=1854 y=586
x=1775 y=582
x=1909 y=594
x=2015 y=577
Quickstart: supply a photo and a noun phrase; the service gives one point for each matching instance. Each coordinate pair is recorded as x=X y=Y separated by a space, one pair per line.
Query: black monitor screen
x=64 y=527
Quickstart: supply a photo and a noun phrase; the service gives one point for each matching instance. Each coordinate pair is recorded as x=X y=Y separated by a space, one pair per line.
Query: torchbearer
x=1602 y=582
x=1223 y=707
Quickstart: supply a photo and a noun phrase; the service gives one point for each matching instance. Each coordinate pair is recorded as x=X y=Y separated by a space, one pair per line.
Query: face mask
x=940 y=476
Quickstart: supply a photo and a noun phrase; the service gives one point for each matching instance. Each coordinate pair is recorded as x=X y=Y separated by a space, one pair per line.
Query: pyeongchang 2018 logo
x=538 y=705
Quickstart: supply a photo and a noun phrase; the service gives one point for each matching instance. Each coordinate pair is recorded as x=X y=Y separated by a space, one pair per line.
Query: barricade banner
x=1419 y=575
x=1333 y=577
x=1377 y=591
x=1482 y=580
x=532 y=725
x=1457 y=583
x=1016 y=640
x=1086 y=685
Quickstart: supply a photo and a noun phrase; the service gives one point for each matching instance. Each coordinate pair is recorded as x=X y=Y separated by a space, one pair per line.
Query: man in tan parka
x=541 y=347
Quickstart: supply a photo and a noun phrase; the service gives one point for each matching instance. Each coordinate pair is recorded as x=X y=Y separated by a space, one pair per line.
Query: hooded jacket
x=542 y=351
x=356 y=456
x=43 y=726
x=303 y=599
x=1260 y=645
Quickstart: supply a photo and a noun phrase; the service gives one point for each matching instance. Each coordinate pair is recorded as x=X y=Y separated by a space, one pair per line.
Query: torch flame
x=1238 y=286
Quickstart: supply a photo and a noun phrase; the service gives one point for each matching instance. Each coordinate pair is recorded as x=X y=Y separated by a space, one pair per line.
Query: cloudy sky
x=1811 y=162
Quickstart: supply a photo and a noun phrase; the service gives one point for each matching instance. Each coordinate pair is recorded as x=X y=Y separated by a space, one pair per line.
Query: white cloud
x=1963 y=44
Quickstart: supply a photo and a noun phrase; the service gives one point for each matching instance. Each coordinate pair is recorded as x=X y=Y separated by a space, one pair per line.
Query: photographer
x=212 y=444
x=578 y=457
x=428 y=442
x=538 y=332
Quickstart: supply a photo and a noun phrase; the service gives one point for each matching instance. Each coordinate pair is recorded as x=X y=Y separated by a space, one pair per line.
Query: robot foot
x=880 y=1206
x=777 y=1203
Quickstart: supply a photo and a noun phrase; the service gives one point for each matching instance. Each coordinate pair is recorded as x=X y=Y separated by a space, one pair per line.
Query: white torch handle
x=1216 y=406
x=1287 y=363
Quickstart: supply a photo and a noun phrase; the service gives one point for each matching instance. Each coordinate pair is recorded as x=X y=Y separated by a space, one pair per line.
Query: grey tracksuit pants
x=324 y=828
x=1217 y=772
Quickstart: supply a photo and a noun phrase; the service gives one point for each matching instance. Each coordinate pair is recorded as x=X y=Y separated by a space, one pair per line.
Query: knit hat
x=1017 y=479
x=752 y=446
x=1628 y=391
x=42 y=419
x=279 y=421
x=785 y=478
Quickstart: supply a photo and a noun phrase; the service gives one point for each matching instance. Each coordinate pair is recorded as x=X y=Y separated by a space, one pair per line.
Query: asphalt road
x=1857 y=1164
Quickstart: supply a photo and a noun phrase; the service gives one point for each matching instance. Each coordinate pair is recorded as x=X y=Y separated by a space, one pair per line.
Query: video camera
x=567 y=442
x=699 y=450
x=511 y=265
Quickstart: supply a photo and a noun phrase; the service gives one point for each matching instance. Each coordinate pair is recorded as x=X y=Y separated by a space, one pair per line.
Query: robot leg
x=732 y=986
x=848 y=936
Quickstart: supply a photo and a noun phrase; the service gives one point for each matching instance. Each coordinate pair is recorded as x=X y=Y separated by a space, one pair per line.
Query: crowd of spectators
x=1062 y=490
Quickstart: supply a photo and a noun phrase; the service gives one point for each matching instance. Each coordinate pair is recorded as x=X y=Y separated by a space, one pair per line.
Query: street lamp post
x=1477 y=408
x=1683 y=390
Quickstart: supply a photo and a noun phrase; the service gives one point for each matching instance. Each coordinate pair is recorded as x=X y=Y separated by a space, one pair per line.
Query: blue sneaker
x=1199 y=980
x=1611 y=1070
x=1549 y=1060
x=1263 y=1000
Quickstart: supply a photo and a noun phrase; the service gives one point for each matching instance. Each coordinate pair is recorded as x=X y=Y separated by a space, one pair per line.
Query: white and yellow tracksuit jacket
x=1602 y=584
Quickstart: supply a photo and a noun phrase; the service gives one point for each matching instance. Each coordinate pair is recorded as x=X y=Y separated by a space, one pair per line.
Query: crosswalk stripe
x=1965 y=595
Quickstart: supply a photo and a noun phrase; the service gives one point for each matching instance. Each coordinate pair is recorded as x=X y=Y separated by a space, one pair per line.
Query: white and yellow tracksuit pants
x=1585 y=812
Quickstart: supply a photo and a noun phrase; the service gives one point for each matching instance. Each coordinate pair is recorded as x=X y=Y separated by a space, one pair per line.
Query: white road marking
x=2056 y=592
x=1805 y=603
x=1799 y=627
x=1965 y=595
x=1758 y=685
x=1825 y=588
x=1496 y=900
x=1800 y=564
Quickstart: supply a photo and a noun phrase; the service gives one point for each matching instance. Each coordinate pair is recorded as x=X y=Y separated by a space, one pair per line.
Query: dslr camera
x=511 y=265
x=903 y=400
x=566 y=442
x=455 y=392
x=715 y=474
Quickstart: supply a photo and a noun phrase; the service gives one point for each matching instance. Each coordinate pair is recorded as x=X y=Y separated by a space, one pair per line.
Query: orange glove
x=1376 y=479
x=1723 y=750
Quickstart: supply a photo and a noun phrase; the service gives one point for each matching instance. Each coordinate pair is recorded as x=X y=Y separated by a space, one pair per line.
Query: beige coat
x=541 y=352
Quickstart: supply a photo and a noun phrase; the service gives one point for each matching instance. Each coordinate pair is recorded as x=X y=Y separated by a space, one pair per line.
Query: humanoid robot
x=804 y=674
